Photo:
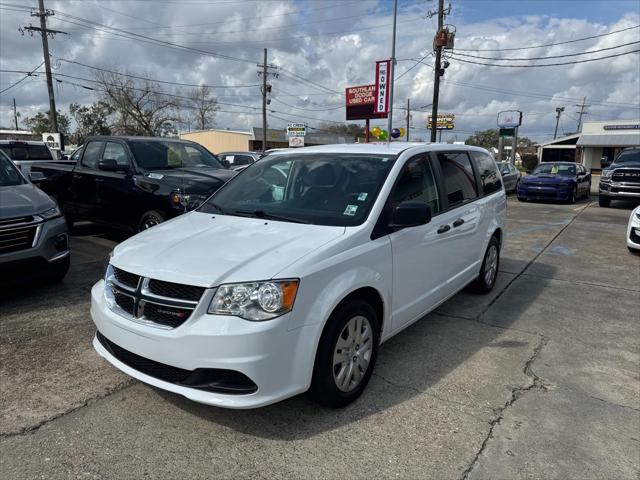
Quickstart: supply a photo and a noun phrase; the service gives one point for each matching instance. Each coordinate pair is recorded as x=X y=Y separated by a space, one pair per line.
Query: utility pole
x=393 y=72
x=582 y=106
x=408 y=117
x=438 y=72
x=15 y=114
x=266 y=90
x=559 y=111
x=44 y=33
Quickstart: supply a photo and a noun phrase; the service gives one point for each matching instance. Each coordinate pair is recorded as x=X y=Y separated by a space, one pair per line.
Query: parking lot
x=538 y=379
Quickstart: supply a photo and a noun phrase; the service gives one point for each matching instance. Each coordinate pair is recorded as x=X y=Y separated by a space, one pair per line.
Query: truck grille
x=150 y=301
x=626 y=175
x=18 y=233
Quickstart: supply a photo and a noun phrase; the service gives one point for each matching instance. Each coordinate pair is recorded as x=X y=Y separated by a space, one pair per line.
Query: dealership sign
x=444 y=121
x=296 y=130
x=510 y=119
x=383 y=71
x=52 y=140
x=361 y=102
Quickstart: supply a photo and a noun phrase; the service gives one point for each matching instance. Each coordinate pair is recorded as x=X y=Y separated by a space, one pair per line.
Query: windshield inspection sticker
x=362 y=197
x=351 y=210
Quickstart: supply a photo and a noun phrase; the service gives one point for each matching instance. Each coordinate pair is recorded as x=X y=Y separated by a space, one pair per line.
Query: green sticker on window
x=351 y=210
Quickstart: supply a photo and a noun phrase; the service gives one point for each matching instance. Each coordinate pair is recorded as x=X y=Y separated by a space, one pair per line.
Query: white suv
x=290 y=276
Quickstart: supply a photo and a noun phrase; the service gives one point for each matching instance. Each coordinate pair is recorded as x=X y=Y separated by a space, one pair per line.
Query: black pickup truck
x=621 y=179
x=133 y=183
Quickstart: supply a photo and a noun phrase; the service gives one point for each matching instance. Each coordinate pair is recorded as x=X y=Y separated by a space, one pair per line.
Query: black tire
x=587 y=194
x=574 y=195
x=58 y=270
x=484 y=283
x=522 y=199
x=151 y=219
x=604 y=201
x=324 y=388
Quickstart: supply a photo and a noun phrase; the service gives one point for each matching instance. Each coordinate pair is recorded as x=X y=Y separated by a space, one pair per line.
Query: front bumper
x=618 y=189
x=279 y=361
x=551 y=192
x=633 y=234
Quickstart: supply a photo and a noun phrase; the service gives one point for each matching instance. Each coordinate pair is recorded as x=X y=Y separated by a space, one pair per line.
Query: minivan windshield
x=335 y=189
x=165 y=154
x=561 y=169
x=9 y=175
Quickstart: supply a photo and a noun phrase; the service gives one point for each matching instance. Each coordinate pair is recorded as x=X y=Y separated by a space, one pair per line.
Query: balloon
x=375 y=131
x=383 y=135
x=402 y=132
x=395 y=133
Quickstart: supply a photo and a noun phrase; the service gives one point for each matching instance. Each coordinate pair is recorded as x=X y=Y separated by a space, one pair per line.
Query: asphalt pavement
x=539 y=379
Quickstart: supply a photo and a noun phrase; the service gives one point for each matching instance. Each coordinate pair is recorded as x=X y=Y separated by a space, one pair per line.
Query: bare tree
x=140 y=109
x=204 y=106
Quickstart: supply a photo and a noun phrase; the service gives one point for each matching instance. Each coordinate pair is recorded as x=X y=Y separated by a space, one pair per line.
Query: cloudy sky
x=323 y=46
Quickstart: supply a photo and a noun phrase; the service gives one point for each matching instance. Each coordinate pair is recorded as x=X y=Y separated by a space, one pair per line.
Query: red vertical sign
x=383 y=70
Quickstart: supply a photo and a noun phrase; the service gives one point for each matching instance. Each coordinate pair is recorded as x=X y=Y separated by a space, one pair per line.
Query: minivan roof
x=382 y=148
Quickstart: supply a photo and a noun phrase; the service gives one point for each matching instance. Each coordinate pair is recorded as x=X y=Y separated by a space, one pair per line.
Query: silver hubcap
x=149 y=222
x=352 y=354
x=491 y=265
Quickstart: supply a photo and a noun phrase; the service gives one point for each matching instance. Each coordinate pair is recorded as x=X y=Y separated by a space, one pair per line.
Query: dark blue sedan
x=561 y=181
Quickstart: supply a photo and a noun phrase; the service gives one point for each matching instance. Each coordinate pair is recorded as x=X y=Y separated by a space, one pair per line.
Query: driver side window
x=115 y=151
x=417 y=182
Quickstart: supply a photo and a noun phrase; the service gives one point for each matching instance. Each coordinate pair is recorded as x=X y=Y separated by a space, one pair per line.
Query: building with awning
x=600 y=142
x=561 y=149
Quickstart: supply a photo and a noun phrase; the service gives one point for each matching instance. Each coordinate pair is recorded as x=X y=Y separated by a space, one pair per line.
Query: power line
x=27 y=75
x=551 y=56
x=545 y=45
x=545 y=64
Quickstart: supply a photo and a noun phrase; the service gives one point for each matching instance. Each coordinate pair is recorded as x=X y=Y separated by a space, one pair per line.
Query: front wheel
x=486 y=280
x=151 y=219
x=604 y=201
x=573 y=195
x=346 y=355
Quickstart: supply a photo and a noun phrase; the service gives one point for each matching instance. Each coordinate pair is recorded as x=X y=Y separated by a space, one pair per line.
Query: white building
x=600 y=142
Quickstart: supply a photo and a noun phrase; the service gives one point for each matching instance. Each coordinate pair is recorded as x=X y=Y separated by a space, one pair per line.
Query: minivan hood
x=194 y=179
x=206 y=250
x=22 y=200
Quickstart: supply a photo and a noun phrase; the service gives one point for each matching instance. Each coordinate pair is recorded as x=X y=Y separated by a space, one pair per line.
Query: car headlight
x=606 y=174
x=107 y=266
x=51 y=213
x=255 y=301
x=638 y=215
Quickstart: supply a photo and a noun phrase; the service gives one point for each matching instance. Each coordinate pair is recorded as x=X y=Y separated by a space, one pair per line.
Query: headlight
x=51 y=213
x=638 y=214
x=255 y=300
x=606 y=174
x=107 y=266
x=179 y=199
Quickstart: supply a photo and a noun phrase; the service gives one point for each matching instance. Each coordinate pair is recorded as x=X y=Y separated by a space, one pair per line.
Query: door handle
x=444 y=229
x=458 y=222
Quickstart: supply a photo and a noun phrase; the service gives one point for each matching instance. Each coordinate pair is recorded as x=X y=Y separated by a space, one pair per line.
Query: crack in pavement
x=581 y=282
x=33 y=428
x=614 y=404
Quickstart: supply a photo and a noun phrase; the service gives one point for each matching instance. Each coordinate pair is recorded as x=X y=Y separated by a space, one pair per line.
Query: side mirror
x=36 y=177
x=411 y=214
x=110 y=165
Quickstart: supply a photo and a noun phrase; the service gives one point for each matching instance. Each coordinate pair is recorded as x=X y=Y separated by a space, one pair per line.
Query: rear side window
x=488 y=172
x=417 y=182
x=27 y=152
x=92 y=155
x=459 y=182
x=243 y=160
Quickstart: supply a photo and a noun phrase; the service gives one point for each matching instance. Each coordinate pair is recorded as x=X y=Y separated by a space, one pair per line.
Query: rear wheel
x=604 y=201
x=346 y=355
x=486 y=280
x=151 y=219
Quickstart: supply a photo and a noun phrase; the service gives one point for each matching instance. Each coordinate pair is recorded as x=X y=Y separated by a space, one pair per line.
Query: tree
x=351 y=129
x=92 y=120
x=40 y=123
x=139 y=109
x=203 y=106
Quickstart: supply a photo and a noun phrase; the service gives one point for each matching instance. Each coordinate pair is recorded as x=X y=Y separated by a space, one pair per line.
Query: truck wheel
x=604 y=201
x=151 y=219
x=486 y=280
x=346 y=355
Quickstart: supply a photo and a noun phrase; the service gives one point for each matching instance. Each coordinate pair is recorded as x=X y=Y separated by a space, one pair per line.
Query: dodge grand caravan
x=289 y=277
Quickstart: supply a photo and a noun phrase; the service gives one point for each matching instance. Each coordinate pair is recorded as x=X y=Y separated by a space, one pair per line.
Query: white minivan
x=290 y=277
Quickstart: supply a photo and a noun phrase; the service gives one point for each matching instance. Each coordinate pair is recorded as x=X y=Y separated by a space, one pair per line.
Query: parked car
x=238 y=160
x=633 y=230
x=27 y=153
x=277 y=285
x=621 y=180
x=33 y=233
x=562 y=181
x=134 y=183
x=510 y=176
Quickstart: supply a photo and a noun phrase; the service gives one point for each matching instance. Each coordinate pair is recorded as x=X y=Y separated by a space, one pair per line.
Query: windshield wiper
x=268 y=216
x=216 y=206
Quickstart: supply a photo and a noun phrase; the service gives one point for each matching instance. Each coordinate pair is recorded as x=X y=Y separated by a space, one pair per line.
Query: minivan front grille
x=19 y=233
x=149 y=301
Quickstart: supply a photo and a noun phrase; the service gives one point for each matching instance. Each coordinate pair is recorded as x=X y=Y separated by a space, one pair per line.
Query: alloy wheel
x=352 y=353
x=491 y=265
